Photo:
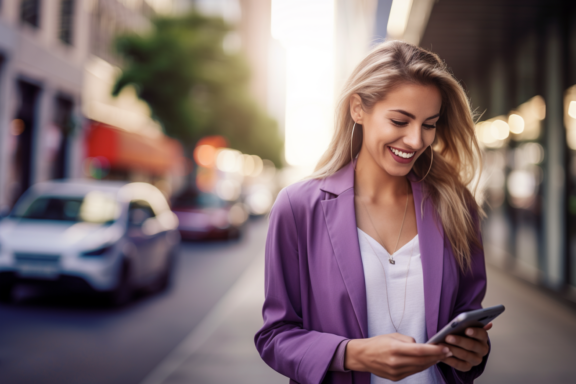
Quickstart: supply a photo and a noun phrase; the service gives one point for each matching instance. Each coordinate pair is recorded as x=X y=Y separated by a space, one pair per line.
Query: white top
x=413 y=323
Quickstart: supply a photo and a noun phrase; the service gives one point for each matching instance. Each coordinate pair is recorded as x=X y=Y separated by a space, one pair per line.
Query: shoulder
x=299 y=198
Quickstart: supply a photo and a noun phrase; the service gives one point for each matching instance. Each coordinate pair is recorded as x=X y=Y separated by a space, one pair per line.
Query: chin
x=397 y=170
x=394 y=168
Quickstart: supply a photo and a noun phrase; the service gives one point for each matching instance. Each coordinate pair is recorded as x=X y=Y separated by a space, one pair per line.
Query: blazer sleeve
x=471 y=292
x=283 y=343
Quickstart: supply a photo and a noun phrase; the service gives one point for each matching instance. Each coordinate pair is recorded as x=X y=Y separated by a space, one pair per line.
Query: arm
x=470 y=295
x=283 y=343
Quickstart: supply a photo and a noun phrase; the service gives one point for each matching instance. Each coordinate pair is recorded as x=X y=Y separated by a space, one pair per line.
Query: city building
x=57 y=68
x=517 y=61
x=122 y=141
x=42 y=54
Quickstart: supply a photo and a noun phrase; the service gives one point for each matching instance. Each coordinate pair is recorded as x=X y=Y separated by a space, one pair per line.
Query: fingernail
x=469 y=332
x=446 y=350
x=449 y=354
x=450 y=339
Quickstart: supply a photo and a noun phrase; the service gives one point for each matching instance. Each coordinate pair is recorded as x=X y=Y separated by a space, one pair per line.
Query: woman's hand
x=392 y=356
x=468 y=350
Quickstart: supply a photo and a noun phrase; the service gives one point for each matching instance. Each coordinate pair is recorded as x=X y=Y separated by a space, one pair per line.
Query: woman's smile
x=401 y=155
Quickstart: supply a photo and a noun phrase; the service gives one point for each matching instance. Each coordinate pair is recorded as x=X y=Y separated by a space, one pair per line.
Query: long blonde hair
x=456 y=150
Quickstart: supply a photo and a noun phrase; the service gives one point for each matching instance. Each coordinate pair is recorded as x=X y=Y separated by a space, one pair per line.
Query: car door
x=139 y=214
x=159 y=245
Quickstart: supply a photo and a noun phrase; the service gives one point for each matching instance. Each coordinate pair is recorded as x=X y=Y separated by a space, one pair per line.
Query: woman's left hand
x=468 y=351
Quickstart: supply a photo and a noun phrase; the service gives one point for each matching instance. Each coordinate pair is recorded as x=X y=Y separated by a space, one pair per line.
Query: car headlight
x=98 y=252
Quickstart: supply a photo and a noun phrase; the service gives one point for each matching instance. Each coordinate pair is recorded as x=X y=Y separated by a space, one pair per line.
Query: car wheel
x=122 y=294
x=165 y=279
x=234 y=233
x=6 y=293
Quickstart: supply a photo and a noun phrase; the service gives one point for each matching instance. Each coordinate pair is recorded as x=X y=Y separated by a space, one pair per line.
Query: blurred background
x=143 y=142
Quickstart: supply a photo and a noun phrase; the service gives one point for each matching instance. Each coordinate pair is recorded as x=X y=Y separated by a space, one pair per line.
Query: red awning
x=134 y=151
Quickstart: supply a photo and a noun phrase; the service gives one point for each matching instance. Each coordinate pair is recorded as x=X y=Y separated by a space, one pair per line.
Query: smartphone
x=476 y=318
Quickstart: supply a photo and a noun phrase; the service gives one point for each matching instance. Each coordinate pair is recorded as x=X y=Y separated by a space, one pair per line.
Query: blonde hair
x=456 y=150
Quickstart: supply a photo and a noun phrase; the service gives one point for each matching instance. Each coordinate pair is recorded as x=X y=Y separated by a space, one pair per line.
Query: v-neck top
x=405 y=291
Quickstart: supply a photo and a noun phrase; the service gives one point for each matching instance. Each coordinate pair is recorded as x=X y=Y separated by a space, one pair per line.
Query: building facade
x=43 y=48
x=517 y=61
x=57 y=68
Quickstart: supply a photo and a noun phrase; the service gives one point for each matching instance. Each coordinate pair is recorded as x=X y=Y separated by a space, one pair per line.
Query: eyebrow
x=411 y=115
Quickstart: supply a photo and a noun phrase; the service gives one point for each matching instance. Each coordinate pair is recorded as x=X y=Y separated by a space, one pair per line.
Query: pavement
x=221 y=348
x=534 y=341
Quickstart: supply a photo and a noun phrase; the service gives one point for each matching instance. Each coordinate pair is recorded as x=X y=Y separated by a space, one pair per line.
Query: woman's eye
x=427 y=126
x=399 y=123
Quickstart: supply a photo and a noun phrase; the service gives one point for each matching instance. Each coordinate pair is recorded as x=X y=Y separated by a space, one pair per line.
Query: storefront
x=518 y=65
x=117 y=154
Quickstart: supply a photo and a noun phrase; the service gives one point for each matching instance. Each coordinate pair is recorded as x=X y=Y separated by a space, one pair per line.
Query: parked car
x=106 y=237
x=203 y=215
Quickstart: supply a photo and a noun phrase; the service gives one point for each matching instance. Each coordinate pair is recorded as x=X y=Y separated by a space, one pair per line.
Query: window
x=138 y=212
x=66 y=21
x=30 y=12
x=95 y=207
x=63 y=120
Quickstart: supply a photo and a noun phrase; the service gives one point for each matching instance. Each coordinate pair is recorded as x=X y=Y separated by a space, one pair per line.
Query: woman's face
x=400 y=127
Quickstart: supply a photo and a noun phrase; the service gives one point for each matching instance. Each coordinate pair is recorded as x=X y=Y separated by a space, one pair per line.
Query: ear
x=356 y=110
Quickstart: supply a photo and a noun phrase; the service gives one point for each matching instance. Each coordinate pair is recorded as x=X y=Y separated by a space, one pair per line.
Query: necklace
x=386 y=284
x=391 y=255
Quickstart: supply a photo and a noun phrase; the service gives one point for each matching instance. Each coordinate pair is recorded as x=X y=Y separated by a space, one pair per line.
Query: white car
x=108 y=237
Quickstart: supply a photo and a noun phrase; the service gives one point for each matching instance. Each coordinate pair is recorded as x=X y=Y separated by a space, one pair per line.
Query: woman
x=381 y=248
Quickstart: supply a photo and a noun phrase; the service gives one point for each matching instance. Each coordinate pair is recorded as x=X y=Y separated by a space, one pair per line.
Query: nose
x=413 y=137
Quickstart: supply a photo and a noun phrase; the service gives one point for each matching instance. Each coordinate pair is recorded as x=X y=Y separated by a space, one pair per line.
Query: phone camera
x=454 y=324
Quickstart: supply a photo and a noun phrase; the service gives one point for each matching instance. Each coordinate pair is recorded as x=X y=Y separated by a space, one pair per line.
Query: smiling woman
x=380 y=248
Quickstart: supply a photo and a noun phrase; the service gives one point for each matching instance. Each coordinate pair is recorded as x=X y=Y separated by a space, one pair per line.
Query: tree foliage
x=193 y=86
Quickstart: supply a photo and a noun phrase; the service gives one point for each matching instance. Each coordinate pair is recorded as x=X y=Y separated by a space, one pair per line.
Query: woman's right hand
x=393 y=356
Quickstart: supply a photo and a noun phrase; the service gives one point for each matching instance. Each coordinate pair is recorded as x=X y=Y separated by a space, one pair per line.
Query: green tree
x=194 y=87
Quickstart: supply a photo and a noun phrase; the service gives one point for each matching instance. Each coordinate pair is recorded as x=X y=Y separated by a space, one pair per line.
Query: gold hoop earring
x=431 y=161
x=352 y=143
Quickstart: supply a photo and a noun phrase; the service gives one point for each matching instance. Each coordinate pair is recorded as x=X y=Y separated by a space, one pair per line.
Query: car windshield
x=95 y=207
x=198 y=200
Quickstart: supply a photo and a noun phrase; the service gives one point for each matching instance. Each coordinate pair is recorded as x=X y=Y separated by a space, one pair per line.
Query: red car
x=204 y=216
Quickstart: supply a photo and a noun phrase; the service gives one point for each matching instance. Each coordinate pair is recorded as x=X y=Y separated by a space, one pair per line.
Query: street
x=201 y=331
x=47 y=339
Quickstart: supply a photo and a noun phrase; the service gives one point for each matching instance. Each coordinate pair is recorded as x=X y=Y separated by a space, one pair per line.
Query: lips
x=401 y=156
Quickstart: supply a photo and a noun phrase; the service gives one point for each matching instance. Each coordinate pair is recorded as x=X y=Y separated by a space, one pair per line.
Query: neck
x=372 y=182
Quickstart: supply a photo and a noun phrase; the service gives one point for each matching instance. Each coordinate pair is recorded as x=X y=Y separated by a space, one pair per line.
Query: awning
x=132 y=151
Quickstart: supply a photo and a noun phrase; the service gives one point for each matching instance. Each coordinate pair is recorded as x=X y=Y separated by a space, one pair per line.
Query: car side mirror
x=137 y=217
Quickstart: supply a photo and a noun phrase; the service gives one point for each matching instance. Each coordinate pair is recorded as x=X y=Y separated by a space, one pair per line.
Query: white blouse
x=400 y=283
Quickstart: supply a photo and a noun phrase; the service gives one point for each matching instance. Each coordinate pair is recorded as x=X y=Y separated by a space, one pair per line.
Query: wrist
x=353 y=357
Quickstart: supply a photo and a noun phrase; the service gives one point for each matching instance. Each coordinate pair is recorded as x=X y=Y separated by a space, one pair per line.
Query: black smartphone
x=476 y=318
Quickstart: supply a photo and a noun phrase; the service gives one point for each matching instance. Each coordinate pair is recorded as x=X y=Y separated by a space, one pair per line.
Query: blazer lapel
x=340 y=216
x=431 y=236
x=341 y=223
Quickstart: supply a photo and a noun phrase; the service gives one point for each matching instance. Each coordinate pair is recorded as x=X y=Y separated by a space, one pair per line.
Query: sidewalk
x=221 y=348
x=534 y=341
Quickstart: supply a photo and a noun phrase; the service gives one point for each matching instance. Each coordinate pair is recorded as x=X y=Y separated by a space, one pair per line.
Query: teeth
x=402 y=154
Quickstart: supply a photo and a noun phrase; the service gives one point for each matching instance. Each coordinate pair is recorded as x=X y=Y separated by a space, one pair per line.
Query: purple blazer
x=315 y=288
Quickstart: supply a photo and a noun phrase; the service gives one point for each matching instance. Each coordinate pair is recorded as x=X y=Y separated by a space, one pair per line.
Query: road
x=53 y=339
